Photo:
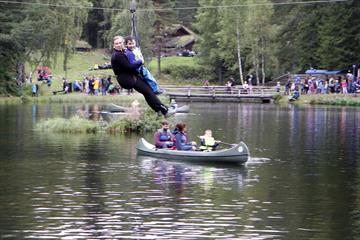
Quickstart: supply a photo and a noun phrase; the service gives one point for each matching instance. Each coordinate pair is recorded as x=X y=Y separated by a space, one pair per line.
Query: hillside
x=81 y=64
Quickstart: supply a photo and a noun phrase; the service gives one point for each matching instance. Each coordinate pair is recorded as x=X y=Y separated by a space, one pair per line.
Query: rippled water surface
x=300 y=183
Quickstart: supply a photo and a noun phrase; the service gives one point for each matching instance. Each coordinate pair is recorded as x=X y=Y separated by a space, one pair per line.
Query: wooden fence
x=221 y=93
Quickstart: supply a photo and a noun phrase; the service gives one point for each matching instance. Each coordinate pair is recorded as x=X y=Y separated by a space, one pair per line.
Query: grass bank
x=175 y=70
x=325 y=99
x=10 y=100
x=147 y=122
x=83 y=98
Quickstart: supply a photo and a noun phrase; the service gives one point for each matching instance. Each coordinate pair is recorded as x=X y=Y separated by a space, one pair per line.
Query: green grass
x=80 y=63
x=78 y=67
x=177 y=71
x=123 y=100
x=147 y=122
x=73 y=125
x=171 y=61
x=10 y=100
x=326 y=99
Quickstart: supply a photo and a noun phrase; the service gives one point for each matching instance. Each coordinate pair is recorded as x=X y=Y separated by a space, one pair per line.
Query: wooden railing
x=221 y=93
x=236 y=90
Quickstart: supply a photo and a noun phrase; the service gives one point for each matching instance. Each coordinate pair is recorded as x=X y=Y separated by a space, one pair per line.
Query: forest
x=265 y=38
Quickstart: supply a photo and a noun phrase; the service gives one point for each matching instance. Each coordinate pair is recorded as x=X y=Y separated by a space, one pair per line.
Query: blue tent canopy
x=324 y=72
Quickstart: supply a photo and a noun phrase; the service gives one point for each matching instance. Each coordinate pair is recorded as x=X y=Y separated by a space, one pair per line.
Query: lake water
x=302 y=181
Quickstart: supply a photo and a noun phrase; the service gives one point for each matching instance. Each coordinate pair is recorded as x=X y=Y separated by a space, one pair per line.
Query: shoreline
x=325 y=99
x=74 y=98
x=315 y=99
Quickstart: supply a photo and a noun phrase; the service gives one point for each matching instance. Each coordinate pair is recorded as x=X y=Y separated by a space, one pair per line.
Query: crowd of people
x=322 y=85
x=93 y=85
x=177 y=139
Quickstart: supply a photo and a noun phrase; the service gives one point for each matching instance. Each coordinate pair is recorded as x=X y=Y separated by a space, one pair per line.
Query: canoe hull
x=113 y=116
x=239 y=153
x=183 y=109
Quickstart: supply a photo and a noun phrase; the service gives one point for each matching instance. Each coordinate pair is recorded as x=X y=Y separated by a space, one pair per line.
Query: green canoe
x=238 y=153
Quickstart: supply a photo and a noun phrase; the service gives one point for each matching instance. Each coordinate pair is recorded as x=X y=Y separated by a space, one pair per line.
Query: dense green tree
x=318 y=36
x=121 y=25
x=37 y=32
x=287 y=18
x=186 y=11
x=164 y=17
x=208 y=25
x=96 y=25
x=231 y=38
x=10 y=50
x=259 y=33
x=339 y=35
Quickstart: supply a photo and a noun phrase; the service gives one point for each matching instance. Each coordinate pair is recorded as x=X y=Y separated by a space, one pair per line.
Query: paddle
x=228 y=144
x=221 y=142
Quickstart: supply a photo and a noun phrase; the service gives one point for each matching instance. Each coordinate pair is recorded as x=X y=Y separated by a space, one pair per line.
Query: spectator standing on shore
x=331 y=85
x=104 y=85
x=206 y=83
x=287 y=87
x=344 y=86
x=34 y=89
x=278 y=87
x=245 y=87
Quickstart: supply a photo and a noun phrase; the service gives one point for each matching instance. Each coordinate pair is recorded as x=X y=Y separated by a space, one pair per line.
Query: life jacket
x=207 y=143
x=164 y=136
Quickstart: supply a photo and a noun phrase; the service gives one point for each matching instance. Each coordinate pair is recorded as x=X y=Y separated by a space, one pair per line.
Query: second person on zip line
x=128 y=77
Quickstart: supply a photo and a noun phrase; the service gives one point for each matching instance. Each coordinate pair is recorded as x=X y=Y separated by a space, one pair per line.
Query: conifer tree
x=208 y=25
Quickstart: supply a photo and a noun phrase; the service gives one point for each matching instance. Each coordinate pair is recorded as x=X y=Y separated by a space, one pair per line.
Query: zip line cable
x=176 y=8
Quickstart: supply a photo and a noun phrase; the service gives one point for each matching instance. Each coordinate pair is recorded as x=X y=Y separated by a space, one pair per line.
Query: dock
x=220 y=94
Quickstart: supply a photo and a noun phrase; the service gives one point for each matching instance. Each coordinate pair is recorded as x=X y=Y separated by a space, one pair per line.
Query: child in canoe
x=208 y=142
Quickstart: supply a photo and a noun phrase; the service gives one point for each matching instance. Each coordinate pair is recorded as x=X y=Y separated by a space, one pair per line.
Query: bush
x=277 y=98
x=185 y=72
x=184 y=69
x=148 y=122
x=73 y=125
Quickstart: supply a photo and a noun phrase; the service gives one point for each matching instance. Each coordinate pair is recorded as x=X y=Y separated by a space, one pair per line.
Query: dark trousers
x=142 y=87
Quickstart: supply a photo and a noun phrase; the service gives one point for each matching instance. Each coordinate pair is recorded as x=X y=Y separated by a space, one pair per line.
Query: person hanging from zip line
x=133 y=54
x=128 y=77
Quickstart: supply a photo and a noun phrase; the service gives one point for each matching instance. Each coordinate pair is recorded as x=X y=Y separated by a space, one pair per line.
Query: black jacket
x=125 y=72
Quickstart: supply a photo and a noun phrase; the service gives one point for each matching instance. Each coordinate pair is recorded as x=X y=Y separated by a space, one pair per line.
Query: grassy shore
x=84 y=98
x=81 y=64
x=325 y=99
x=146 y=122
x=10 y=100
x=126 y=100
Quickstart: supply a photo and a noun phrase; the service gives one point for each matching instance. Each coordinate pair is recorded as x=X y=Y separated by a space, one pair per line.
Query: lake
x=301 y=182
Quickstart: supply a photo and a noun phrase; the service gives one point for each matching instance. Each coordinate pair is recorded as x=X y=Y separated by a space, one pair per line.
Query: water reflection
x=301 y=182
x=175 y=175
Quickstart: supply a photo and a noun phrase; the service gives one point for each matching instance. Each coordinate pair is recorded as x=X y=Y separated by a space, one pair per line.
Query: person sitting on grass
x=295 y=95
x=208 y=142
x=134 y=54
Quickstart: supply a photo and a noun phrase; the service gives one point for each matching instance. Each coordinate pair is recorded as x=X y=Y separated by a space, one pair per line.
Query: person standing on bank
x=128 y=77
